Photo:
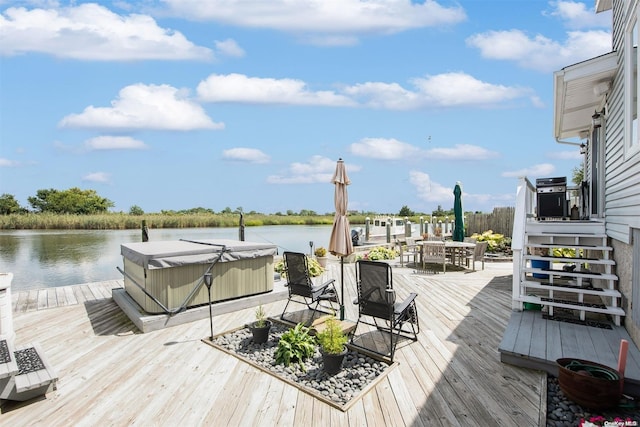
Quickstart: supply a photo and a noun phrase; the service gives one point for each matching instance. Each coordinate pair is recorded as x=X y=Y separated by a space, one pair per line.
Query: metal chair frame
x=377 y=300
x=301 y=288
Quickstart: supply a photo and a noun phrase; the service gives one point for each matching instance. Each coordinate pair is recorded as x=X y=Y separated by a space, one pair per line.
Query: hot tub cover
x=175 y=253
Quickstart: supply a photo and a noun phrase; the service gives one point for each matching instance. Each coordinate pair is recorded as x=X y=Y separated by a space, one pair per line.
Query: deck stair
x=570 y=267
x=25 y=372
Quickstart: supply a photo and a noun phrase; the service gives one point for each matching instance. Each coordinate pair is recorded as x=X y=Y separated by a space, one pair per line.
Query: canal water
x=50 y=258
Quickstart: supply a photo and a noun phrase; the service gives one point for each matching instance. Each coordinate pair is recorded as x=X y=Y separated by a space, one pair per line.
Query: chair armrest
x=317 y=288
x=402 y=306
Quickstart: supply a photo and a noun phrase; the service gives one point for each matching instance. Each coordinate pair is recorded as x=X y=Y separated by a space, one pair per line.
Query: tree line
x=75 y=201
x=71 y=201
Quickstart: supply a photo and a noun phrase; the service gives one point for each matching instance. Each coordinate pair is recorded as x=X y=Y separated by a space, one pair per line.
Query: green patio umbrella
x=458 y=225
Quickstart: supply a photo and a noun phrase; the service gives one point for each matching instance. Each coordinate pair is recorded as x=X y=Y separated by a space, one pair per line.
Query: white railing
x=525 y=208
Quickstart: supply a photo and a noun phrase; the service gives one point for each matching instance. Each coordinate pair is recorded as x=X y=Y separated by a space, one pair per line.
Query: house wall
x=622 y=183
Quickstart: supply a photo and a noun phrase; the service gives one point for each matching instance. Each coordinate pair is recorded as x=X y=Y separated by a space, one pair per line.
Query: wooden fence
x=499 y=221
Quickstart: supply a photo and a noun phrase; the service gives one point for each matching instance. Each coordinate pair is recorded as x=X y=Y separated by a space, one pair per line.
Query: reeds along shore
x=123 y=221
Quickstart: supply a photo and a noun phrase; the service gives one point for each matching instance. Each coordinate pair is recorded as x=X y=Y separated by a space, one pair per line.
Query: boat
x=377 y=229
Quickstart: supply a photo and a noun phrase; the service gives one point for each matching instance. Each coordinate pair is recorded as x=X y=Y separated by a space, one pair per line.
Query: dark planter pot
x=589 y=384
x=260 y=335
x=333 y=362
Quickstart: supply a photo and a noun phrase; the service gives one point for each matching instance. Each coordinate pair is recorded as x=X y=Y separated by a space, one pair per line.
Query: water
x=50 y=258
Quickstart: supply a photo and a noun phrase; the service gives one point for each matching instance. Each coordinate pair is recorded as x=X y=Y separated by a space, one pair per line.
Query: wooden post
x=145 y=231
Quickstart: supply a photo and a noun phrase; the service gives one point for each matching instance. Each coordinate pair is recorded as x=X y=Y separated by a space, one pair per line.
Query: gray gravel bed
x=562 y=412
x=358 y=370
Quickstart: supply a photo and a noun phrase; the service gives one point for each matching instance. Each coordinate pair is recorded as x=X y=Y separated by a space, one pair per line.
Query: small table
x=457 y=249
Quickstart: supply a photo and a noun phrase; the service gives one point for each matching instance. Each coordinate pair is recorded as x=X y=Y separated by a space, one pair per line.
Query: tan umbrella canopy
x=340 y=243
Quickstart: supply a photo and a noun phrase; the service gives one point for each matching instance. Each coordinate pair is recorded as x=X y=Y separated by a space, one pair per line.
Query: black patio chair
x=377 y=300
x=302 y=289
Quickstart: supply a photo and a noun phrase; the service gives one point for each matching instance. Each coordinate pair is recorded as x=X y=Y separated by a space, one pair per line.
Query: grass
x=123 y=221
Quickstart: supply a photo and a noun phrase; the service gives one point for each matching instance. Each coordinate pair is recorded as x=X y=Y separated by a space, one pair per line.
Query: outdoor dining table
x=457 y=250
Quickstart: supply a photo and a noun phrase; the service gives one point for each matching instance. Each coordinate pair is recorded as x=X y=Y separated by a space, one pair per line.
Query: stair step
x=567 y=234
x=574 y=274
x=8 y=365
x=35 y=376
x=573 y=289
x=574 y=305
x=568 y=246
x=567 y=259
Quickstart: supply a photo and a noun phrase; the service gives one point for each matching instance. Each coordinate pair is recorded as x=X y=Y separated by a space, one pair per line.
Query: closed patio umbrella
x=340 y=243
x=458 y=225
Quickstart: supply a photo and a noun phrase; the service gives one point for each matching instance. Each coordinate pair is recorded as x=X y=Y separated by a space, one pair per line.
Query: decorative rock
x=562 y=412
x=357 y=370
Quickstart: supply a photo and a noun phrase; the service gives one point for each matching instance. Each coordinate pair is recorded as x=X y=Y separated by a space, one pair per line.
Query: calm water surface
x=49 y=258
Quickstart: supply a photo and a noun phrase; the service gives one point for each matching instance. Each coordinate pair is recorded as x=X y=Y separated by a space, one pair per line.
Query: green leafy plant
x=332 y=339
x=315 y=269
x=380 y=253
x=261 y=317
x=496 y=242
x=320 y=252
x=295 y=345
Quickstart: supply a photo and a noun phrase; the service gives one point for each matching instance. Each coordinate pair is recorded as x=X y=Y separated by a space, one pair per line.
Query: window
x=632 y=144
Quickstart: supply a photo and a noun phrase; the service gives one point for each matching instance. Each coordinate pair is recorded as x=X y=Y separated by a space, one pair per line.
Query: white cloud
x=539 y=52
x=566 y=155
x=487 y=202
x=140 y=106
x=254 y=90
x=444 y=90
x=392 y=149
x=229 y=47
x=535 y=170
x=454 y=89
x=318 y=169
x=461 y=152
x=428 y=190
x=114 y=143
x=250 y=155
x=576 y=15
x=323 y=18
x=381 y=148
x=6 y=163
x=434 y=192
x=97 y=177
x=91 y=31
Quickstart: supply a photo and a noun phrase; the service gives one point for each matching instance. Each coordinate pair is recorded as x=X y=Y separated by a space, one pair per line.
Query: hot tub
x=169 y=271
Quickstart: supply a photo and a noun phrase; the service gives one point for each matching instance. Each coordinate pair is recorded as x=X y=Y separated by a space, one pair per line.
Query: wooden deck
x=111 y=374
x=533 y=342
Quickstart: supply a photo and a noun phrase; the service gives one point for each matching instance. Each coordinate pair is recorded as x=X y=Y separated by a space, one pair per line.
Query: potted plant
x=260 y=328
x=321 y=256
x=332 y=340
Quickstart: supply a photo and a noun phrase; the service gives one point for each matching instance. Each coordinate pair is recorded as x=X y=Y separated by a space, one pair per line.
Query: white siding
x=622 y=176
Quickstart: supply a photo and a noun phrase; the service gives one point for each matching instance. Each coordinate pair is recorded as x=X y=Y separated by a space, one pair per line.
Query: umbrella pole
x=342 y=288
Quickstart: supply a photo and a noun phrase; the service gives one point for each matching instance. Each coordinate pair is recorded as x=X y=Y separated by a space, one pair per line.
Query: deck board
x=452 y=376
x=564 y=340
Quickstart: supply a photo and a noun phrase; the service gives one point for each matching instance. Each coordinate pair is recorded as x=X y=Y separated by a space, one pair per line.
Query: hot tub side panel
x=137 y=273
x=171 y=286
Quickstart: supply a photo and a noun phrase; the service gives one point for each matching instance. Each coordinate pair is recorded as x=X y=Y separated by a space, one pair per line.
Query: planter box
x=171 y=270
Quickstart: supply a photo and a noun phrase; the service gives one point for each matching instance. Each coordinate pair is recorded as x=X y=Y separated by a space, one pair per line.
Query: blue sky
x=177 y=104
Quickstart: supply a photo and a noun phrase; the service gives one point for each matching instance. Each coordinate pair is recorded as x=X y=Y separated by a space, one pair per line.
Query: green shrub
x=332 y=339
x=295 y=345
x=380 y=253
x=496 y=242
x=315 y=269
x=261 y=317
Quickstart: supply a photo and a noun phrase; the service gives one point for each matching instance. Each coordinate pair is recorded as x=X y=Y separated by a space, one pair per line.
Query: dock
x=110 y=373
